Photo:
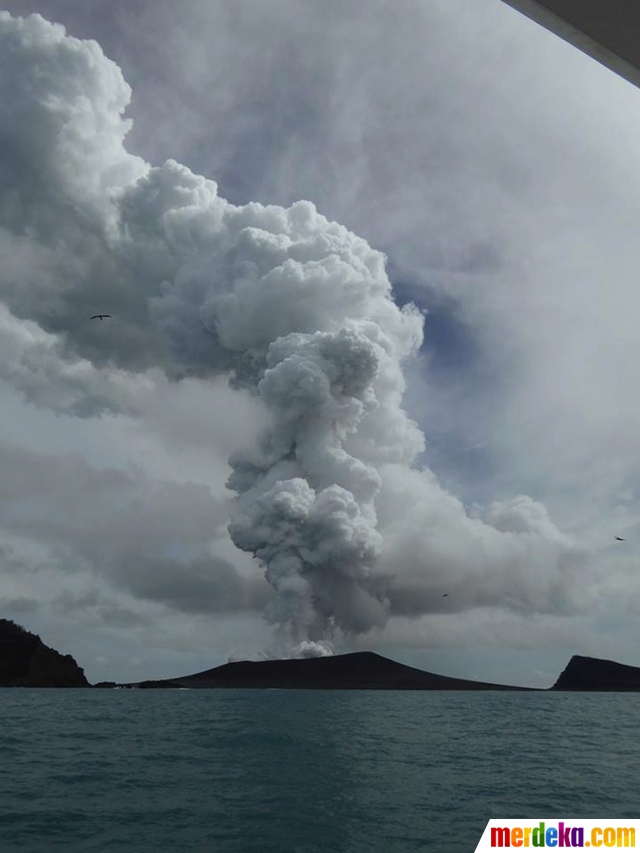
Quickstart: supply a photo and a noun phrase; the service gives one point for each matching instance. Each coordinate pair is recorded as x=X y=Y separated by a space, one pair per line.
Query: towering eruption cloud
x=293 y=308
x=302 y=312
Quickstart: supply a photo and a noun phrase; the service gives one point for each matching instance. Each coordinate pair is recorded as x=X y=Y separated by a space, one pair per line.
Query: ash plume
x=293 y=308
x=303 y=314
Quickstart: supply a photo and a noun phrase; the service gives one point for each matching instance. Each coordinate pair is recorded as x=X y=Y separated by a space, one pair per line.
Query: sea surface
x=286 y=771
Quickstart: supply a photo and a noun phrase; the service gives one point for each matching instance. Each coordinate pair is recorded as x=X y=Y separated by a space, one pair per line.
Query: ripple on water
x=338 y=772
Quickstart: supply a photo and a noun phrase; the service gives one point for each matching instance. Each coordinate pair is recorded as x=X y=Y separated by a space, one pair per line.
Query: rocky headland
x=594 y=674
x=25 y=661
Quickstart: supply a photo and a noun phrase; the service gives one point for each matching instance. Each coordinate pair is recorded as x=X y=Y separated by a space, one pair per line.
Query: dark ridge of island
x=25 y=661
x=355 y=671
x=594 y=674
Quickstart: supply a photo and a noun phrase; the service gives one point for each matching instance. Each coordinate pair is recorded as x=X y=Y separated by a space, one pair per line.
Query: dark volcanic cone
x=357 y=671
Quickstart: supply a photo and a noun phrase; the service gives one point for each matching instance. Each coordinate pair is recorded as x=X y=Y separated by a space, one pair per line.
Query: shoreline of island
x=25 y=661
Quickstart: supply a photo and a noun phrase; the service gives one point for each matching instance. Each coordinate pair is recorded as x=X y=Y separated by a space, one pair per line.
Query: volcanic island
x=25 y=661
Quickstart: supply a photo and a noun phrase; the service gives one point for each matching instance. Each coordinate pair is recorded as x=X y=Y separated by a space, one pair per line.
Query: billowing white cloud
x=298 y=313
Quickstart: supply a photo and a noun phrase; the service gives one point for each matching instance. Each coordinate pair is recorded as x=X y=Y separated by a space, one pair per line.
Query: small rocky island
x=25 y=661
x=582 y=673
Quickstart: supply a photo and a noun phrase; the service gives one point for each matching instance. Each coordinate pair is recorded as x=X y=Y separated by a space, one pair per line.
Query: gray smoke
x=292 y=307
x=301 y=310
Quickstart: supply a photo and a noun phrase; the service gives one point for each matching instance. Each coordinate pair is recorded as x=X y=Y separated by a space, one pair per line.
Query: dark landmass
x=369 y=671
x=25 y=661
x=582 y=673
x=357 y=671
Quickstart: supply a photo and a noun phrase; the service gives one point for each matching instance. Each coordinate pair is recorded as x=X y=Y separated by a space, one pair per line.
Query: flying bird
x=445 y=595
x=620 y=539
x=99 y=316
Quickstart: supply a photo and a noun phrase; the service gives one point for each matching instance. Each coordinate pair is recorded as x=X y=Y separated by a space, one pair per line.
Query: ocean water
x=283 y=771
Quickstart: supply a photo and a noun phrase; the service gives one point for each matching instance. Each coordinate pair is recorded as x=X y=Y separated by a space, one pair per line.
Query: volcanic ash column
x=303 y=310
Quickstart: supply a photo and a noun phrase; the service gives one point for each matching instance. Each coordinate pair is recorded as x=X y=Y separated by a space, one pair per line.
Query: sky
x=371 y=375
